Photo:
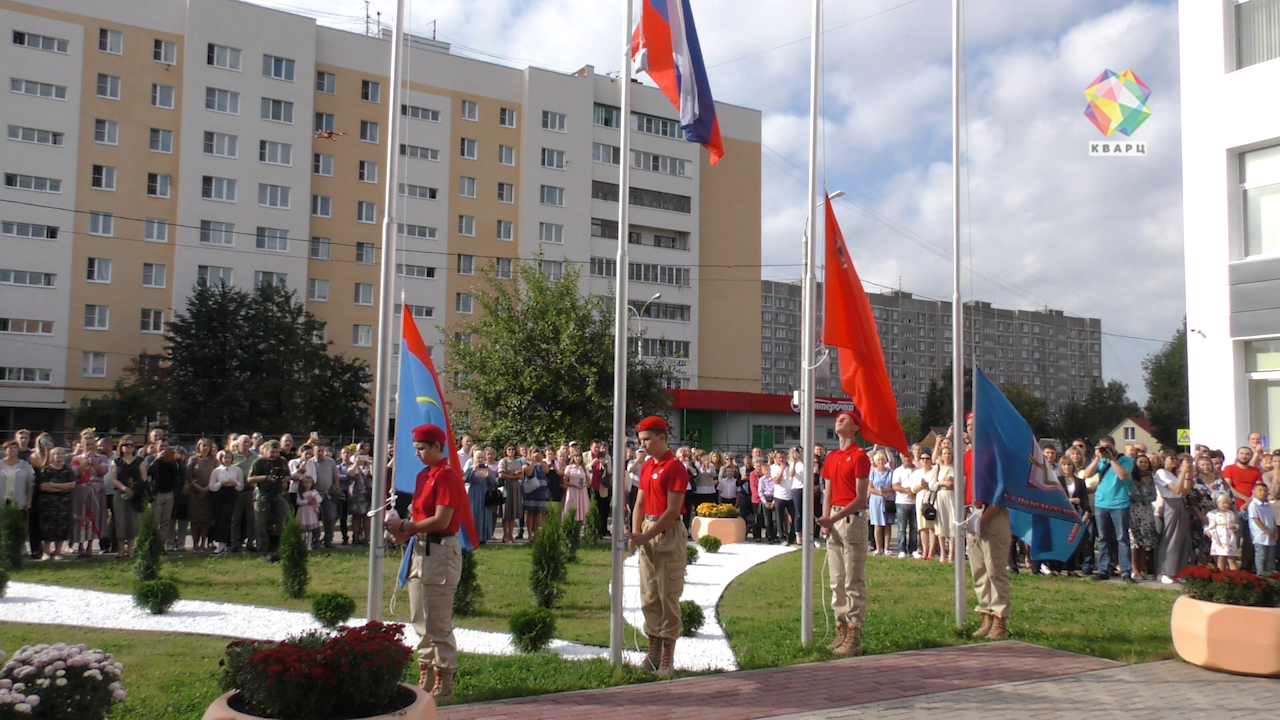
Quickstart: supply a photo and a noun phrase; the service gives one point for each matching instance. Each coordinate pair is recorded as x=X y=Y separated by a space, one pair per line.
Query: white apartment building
x=156 y=144
x=1230 y=67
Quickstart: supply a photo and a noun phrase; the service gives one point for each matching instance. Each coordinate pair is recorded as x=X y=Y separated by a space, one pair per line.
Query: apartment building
x=1230 y=183
x=1053 y=356
x=156 y=144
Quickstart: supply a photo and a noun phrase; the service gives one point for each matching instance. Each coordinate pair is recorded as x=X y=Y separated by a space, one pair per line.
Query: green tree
x=136 y=401
x=1107 y=405
x=936 y=409
x=537 y=361
x=1072 y=421
x=1031 y=408
x=912 y=428
x=1165 y=373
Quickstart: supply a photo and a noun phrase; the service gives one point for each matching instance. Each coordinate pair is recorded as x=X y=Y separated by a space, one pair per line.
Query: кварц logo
x=1117 y=103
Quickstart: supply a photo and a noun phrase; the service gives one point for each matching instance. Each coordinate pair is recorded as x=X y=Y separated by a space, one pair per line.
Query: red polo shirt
x=842 y=470
x=440 y=484
x=660 y=476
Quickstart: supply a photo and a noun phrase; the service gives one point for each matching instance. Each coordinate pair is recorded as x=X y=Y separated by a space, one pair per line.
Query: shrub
x=532 y=629
x=466 y=601
x=150 y=550
x=691 y=618
x=86 y=687
x=156 y=596
x=710 y=543
x=293 y=560
x=591 y=527
x=4 y=582
x=570 y=537
x=332 y=609
x=547 y=568
x=1230 y=587
x=690 y=554
x=13 y=533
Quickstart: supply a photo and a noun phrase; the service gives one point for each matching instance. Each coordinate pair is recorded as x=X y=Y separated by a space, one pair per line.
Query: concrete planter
x=727 y=530
x=1228 y=638
x=422 y=708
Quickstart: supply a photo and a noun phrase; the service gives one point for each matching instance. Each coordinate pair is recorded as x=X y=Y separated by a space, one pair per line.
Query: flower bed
x=1228 y=621
x=717 y=510
x=60 y=682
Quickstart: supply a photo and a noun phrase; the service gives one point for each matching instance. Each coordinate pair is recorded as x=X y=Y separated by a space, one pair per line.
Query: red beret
x=968 y=417
x=653 y=422
x=853 y=415
x=429 y=434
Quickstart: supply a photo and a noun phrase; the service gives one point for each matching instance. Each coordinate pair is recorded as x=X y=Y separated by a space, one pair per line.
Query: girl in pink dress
x=309 y=508
x=574 y=481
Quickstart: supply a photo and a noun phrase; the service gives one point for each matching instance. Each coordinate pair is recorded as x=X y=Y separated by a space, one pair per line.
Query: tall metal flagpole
x=808 y=338
x=957 y=326
x=386 y=294
x=620 y=349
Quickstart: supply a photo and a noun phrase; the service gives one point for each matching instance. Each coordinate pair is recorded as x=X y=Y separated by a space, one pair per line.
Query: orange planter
x=1229 y=638
x=423 y=708
x=728 y=530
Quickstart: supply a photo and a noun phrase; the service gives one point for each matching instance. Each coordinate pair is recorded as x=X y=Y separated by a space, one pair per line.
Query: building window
x=221 y=56
x=38 y=89
x=99 y=270
x=552 y=158
x=324 y=122
x=506 y=155
x=28 y=230
x=366 y=212
x=277 y=67
x=1262 y=367
x=217 y=233
x=108 y=86
x=221 y=145
x=35 y=135
x=262 y=278
x=552 y=121
x=275 y=239
x=661 y=127
x=321 y=206
x=106 y=132
x=607 y=154
x=466 y=225
x=466 y=187
x=604 y=267
x=362 y=335
x=103 y=177
x=368 y=131
x=417 y=311
x=470 y=110
x=274 y=196
x=659 y=163
x=101 y=223
x=365 y=254
x=277 y=110
x=506 y=230
x=421 y=153
x=420 y=113
x=41 y=42
x=416 y=231
x=368 y=171
x=364 y=294
x=26 y=277
x=26 y=327
x=97 y=317
x=322 y=165
x=551 y=233
x=1260 y=184
x=415 y=271
x=158 y=184
x=326 y=82
x=506 y=193
x=153 y=275
x=165 y=52
x=503 y=268
x=111 y=41
x=213 y=276
x=1257 y=31
x=33 y=183
x=551 y=269
x=551 y=195
x=651 y=347
x=275 y=153
x=467 y=148
x=319 y=248
x=466 y=265
x=418 y=191
x=152 y=321
x=607 y=116
x=318 y=290
x=507 y=117
x=161 y=141
x=604 y=228
x=93 y=364
x=370 y=91
x=223 y=101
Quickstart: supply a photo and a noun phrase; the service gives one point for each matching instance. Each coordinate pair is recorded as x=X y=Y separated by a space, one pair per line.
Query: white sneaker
x=902 y=556
x=916 y=555
x=1044 y=569
x=1165 y=579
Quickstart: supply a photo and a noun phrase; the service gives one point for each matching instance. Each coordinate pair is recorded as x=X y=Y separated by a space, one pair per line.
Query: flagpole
x=386 y=293
x=957 y=327
x=808 y=338
x=621 y=347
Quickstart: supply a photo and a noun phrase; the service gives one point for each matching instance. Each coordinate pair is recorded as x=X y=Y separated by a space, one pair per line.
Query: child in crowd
x=1222 y=529
x=226 y=480
x=1262 y=528
x=309 y=510
x=727 y=486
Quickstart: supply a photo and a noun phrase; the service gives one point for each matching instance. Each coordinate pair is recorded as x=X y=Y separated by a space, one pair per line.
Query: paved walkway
x=813 y=688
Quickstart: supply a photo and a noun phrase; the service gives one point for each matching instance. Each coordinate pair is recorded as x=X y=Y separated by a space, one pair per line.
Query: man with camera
x=269 y=478
x=1111 y=508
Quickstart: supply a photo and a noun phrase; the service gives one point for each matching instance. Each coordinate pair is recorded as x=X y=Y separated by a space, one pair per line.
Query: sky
x=1043 y=224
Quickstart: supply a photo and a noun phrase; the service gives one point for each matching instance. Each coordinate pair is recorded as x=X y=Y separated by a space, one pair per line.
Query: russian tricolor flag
x=673 y=58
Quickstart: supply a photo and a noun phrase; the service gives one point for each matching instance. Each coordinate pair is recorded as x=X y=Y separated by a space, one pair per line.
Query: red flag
x=850 y=327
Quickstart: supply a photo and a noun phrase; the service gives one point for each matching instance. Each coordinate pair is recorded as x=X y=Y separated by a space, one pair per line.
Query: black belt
x=838 y=508
x=436 y=538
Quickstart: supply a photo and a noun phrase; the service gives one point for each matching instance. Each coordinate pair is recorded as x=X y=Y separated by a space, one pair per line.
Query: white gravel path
x=706 y=581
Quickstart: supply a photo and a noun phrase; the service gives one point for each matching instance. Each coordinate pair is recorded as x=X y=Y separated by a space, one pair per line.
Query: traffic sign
x=1184 y=436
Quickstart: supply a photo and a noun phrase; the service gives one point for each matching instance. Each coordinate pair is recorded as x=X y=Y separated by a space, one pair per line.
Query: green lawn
x=910 y=606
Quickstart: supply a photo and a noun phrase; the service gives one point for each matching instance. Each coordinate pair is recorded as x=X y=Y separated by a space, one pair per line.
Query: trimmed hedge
x=332 y=609
x=293 y=560
x=156 y=596
x=710 y=543
x=691 y=618
x=532 y=629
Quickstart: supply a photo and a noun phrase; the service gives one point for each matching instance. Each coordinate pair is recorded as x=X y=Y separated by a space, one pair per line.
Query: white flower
x=24 y=708
x=60 y=682
x=95 y=674
x=119 y=695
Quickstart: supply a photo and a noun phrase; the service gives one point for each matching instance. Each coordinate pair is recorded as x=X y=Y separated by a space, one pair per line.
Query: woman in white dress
x=924 y=478
x=945 y=501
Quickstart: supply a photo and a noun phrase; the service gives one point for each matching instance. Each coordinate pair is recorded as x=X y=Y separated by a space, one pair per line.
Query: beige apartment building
x=155 y=144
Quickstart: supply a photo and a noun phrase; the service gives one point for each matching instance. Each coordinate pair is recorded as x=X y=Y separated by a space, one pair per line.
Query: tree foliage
x=1099 y=413
x=1165 y=373
x=936 y=408
x=1032 y=409
x=136 y=400
x=537 y=361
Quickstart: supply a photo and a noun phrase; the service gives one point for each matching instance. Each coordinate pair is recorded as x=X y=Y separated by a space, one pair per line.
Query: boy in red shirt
x=844 y=523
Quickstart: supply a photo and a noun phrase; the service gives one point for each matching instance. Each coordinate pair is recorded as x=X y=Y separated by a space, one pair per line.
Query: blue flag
x=1010 y=470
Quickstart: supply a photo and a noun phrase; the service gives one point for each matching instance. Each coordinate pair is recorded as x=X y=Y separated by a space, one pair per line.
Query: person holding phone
x=1111 y=508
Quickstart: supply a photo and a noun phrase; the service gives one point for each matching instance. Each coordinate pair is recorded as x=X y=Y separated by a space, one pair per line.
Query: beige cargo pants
x=662 y=562
x=847 y=555
x=989 y=558
x=434 y=571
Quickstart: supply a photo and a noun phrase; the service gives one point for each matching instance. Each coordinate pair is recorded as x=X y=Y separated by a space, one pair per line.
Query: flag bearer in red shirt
x=988 y=552
x=659 y=534
x=439 y=503
x=844 y=522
